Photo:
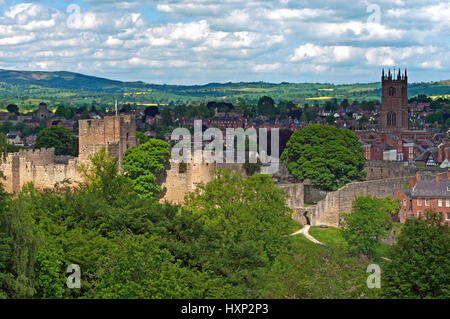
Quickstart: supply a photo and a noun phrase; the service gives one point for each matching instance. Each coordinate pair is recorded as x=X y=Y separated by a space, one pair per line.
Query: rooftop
x=431 y=189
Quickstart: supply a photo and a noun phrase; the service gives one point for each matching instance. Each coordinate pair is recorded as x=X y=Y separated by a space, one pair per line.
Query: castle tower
x=394 y=102
x=117 y=133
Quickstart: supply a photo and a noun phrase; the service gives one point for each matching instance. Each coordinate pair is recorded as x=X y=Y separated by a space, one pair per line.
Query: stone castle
x=118 y=133
x=44 y=169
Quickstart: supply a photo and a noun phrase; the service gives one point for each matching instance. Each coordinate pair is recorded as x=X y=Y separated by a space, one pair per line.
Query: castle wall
x=295 y=194
x=178 y=184
x=175 y=184
x=384 y=169
x=38 y=167
x=44 y=169
x=329 y=210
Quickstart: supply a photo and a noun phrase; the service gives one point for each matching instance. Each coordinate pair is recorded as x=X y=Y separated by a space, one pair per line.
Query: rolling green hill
x=27 y=88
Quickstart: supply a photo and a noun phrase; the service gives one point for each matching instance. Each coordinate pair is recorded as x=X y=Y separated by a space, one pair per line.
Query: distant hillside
x=27 y=88
x=63 y=80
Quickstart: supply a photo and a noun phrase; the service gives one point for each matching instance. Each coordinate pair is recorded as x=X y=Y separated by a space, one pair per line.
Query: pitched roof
x=431 y=189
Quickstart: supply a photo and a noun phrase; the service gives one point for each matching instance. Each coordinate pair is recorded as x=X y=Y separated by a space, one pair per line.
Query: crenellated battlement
x=44 y=169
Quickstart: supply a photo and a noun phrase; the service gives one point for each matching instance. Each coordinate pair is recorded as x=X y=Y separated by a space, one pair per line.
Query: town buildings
x=423 y=196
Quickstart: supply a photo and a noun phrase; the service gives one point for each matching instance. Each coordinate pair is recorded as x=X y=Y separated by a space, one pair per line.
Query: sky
x=203 y=41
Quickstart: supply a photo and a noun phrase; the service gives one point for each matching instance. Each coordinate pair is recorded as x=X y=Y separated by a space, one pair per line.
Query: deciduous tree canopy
x=328 y=156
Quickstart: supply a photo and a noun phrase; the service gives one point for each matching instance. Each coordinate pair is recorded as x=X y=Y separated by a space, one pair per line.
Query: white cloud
x=322 y=54
x=189 y=40
x=266 y=67
x=431 y=65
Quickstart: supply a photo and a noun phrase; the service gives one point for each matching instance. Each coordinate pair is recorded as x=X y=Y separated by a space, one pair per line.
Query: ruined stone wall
x=383 y=169
x=38 y=167
x=46 y=176
x=39 y=157
x=178 y=184
x=295 y=194
x=329 y=210
x=44 y=169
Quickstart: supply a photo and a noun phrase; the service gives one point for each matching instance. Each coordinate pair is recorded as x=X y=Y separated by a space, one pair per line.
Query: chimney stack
x=412 y=183
x=440 y=154
x=418 y=177
x=448 y=174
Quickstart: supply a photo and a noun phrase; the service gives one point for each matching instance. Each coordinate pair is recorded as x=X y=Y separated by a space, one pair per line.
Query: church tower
x=394 y=102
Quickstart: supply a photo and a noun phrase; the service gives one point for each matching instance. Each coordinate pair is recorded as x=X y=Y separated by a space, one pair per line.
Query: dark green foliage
x=252 y=168
x=330 y=119
x=420 y=261
x=57 y=137
x=17 y=250
x=312 y=271
x=145 y=166
x=328 y=156
x=434 y=117
x=266 y=106
x=368 y=223
x=151 y=111
x=13 y=108
x=230 y=240
x=65 y=112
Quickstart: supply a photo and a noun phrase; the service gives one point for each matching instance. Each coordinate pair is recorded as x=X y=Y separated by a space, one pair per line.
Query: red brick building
x=424 y=196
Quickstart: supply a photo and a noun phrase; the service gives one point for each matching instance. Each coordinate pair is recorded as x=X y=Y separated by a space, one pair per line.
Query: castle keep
x=44 y=169
x=117 y=133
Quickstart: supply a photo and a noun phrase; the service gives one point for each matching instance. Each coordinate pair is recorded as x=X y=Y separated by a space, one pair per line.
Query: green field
x=27 y=89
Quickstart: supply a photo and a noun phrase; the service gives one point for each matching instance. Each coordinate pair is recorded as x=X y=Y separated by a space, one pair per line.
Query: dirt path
x=305 y=232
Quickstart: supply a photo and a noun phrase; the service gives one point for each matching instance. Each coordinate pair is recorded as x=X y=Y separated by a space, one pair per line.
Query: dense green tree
x=328 y=156
x=6 y=127
x=126 y=108
x=331 y=106
x=266 y=106
x=434 y=117
x=145 y=166
x=363 y=121
x=368 y=105
x=17 y=249
x=103 y=177
x=251 y=225
x=419 y=264
x=166 y=117
x=308 y=116
x=367 y=223
x=58 y=137
x=65 y=112
x=330 y=119
x=3 y=146
x=315 y=271
x=141 y=137
x=13 y=108
x=151 y=111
